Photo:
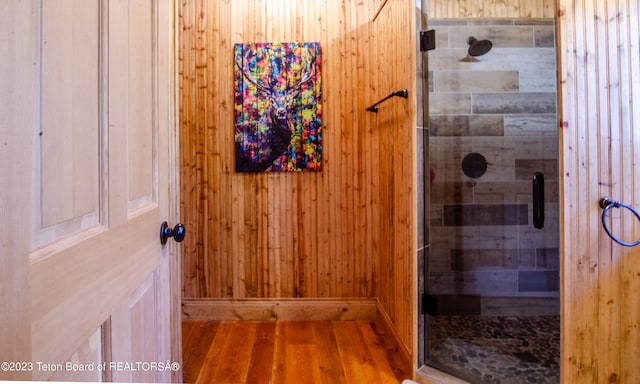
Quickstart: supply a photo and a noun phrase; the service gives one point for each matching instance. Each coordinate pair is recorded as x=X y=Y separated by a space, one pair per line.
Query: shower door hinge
x=429 y=304
x=427 y=40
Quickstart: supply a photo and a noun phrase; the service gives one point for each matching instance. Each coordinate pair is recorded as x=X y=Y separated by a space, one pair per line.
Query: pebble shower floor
x=497 y=349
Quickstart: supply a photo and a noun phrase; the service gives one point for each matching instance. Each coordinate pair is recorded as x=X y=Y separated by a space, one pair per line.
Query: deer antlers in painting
x=268 y=121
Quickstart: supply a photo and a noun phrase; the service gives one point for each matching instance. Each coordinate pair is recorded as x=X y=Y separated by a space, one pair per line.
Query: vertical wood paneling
x=348 y=231
x=469 y=9
x=630 y=26
x=600 y=79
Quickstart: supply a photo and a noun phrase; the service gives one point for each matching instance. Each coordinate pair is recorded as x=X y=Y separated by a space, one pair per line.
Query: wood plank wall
x=600 y=73
x=470 y=9
x=348 y=231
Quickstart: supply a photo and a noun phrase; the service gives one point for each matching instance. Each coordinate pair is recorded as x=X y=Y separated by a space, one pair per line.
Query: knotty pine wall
x=600 y=73
x=474 y=9
x=346 y=232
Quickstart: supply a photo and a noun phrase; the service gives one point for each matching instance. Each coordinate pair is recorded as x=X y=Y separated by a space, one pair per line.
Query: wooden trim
x=107 y=350
x=17 y=114
x=405 y=355
x=175 y=255
x=279 y=309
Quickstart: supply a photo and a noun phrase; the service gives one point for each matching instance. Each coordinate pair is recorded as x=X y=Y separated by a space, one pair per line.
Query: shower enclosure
x=490 y=258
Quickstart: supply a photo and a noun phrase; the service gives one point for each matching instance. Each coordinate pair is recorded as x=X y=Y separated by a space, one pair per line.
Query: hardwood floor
x=289 y=352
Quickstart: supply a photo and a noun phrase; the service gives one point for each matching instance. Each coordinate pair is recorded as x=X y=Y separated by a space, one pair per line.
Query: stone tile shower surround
x=503 y=106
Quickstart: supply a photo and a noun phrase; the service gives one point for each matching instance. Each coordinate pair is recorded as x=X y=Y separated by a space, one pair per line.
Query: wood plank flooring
x=289 y=352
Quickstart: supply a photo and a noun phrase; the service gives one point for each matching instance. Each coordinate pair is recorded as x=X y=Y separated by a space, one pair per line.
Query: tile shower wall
x=503 y=106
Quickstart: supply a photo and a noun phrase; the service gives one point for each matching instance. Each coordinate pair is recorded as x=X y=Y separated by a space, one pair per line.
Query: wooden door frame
x=175 y=270
x=16 y=120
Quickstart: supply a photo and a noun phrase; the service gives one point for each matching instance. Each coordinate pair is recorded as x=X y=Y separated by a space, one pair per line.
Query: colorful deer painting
x=277 y=107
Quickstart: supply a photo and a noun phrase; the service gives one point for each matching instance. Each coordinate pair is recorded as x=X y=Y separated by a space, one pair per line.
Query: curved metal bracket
x=403 y=93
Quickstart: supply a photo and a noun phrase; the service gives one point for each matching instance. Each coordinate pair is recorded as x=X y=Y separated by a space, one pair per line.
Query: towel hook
x=606 y=203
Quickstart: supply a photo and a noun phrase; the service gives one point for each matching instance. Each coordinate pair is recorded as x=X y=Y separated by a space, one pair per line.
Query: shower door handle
x=538 y=200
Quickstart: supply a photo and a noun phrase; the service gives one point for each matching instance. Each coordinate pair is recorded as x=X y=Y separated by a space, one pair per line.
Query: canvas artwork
x=277 y=107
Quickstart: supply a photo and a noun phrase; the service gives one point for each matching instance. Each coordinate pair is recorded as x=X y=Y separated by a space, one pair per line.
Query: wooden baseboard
x=279 y=309
x=385 y=322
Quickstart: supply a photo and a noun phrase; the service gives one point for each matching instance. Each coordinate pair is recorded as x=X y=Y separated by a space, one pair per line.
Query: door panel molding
x=74 y=291
x=69 y=150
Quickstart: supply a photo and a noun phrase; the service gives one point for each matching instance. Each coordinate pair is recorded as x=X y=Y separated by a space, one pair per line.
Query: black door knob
x=178 y=232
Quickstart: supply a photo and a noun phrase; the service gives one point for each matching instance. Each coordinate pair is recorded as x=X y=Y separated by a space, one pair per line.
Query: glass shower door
x=491 y=277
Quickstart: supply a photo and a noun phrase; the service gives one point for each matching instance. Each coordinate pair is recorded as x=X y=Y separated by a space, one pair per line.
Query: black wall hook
x=403 y=93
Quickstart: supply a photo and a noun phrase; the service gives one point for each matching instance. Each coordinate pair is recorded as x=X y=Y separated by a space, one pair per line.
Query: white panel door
x=86 y=117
